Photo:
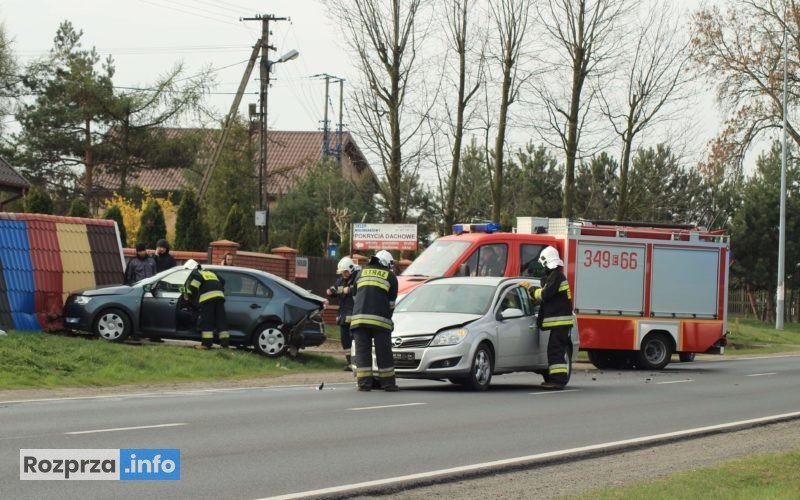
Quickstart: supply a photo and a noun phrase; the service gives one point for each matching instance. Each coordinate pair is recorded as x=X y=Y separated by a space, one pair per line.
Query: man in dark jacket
x=139 y=267
x=555 y=315
x=162 y=257
x=375 y=294
x=205 y=289
x=343 y=289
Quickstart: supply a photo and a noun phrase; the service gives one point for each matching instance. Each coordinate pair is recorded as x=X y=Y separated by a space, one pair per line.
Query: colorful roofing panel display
x=18 y=273
x=76 y=258
x=46 y=257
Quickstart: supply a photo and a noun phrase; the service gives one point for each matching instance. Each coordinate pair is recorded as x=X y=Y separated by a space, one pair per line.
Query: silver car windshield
x=437 y=258
x=448 y=298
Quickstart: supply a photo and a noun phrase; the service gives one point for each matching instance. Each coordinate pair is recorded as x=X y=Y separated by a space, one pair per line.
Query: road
x=262 y=442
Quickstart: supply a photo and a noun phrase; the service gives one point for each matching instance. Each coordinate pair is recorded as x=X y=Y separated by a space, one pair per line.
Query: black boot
x=348 y=367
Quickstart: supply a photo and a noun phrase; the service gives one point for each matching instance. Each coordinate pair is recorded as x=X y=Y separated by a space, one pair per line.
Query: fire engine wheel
x=655 y=353
x=270 y=340
x=481 y=372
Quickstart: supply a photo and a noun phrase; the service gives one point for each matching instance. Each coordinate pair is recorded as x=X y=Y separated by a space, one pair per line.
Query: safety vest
x=556 y=300
x=374 y=293
x=204 y=285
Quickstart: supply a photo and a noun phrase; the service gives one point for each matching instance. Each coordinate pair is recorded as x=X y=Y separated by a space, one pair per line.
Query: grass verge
x=750 y=336
x=771 y=476
x=37 y=360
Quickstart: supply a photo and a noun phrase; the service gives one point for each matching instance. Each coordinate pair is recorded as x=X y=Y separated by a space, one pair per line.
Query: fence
x=759 y=304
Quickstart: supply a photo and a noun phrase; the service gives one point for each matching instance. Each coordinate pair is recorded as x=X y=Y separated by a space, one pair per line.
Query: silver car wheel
x=271 y=341
x=111 y=326
x=483 y=367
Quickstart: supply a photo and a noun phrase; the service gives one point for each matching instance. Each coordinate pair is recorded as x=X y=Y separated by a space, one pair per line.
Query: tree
x=191 y=232
x=309 y=242
x=8 y=79
x=754 y=235
x=385 y=37
x=661 y=190
x=653 y=77
x=582 y=34
x=152 y=227
x=741 y=51
x=511 y=21
x=536 y=179
x=473 y=195
x=596 y=185
x=62 y=128
x=79 y=208
x=38 y=201
x=114 y=213
x=238 y=227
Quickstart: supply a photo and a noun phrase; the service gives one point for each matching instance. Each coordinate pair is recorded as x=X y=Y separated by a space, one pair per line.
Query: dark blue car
x=263 y=310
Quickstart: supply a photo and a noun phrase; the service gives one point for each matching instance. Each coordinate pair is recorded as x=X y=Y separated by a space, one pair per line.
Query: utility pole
x=326 y=143
x=341 y=115
x=326 y=136
x=265 y=67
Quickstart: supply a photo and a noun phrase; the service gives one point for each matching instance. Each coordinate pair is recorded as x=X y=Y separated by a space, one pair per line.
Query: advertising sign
x=384 y=236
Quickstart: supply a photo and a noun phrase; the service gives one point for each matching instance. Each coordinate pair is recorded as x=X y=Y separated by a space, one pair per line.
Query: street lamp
x=263 y=199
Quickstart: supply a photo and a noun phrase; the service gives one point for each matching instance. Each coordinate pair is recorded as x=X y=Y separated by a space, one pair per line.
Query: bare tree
x=386 y=37
x=510 y=18
x=653 y=77
x=584 y=34
x=459 y=37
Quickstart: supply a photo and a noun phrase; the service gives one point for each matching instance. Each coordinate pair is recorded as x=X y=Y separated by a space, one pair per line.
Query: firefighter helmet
x=191 y=264
x=549 y=258
x=384 y=258
x=345 y=264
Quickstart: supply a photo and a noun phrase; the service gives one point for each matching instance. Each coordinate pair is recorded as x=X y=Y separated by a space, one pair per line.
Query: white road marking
x=675 y=381
x=157 y=426
x=544 y=393
x=528 y=458
x=385 y=406
x=761 y=374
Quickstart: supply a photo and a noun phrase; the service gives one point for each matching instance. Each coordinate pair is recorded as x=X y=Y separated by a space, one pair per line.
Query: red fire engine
x=641 y=292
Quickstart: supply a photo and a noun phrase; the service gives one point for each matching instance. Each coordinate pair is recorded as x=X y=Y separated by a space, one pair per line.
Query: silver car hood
x=419 y=323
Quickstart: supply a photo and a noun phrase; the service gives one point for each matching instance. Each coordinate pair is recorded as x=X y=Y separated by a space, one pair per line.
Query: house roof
x=290 y=154
x=10 y=179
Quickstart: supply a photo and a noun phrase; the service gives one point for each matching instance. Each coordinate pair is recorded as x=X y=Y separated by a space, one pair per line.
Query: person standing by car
x=162 y=257
x=205 y=289
x=555 y=315
x=375 y=292
x=227 y=260
x=343 y=288
x=141 y=266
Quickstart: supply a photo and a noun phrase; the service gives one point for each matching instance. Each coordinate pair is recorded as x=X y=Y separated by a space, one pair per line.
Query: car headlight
x=449 y=337
x=82 y=300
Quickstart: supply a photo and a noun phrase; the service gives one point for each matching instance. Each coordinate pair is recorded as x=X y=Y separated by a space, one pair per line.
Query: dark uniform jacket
x=139 y=269
x=556 y=300
x=375 y=292
x=345 y=299
x=164 y=261
x=204 y=285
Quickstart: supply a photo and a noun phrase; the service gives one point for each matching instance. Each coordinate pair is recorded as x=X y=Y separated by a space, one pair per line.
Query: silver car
x=467 y=329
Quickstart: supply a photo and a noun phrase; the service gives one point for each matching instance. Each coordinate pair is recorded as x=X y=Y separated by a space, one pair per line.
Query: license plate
x=403 y=356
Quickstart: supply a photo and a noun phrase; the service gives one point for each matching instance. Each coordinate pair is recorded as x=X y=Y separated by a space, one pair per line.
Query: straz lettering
x=375 y=273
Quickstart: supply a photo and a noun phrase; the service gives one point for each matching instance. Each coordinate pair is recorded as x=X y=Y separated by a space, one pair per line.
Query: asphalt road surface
x=263 y=442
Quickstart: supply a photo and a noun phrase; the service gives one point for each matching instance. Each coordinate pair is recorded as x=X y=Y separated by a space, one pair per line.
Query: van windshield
x=437 y=258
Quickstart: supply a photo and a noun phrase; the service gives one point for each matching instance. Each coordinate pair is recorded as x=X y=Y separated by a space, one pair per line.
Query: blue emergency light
x=487 y=227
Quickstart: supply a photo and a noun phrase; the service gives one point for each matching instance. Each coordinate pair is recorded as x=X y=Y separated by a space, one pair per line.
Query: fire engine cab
x=641 y=292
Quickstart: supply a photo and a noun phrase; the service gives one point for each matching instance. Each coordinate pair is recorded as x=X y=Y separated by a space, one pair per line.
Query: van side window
x=529 y=261
x=488 y=260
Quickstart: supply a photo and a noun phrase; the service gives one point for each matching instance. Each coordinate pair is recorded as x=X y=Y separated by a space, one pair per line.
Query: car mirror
x=148 y=288
x=511 y=313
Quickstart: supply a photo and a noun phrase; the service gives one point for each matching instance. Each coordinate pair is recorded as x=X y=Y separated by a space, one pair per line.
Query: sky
x=148 y=37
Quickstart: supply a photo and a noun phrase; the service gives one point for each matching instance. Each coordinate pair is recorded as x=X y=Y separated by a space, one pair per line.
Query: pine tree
x=309 y=242
x=191 y=232
x=114 y=213
x=79 y=208
x=237 y=228
x=38 y=201
x=153 y=227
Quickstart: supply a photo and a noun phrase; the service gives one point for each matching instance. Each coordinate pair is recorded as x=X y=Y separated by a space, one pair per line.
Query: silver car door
x=514 y=335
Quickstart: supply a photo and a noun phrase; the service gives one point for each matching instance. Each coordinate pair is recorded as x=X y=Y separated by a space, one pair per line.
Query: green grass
x=750 y=336
x=773 y=476
x=40 y=360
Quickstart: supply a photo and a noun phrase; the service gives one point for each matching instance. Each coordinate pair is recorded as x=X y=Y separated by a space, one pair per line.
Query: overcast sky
x=147 y=37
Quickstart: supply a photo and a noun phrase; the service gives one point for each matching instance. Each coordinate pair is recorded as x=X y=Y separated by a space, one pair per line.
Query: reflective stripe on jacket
x=556 y=298
x=205 y=285
x=375 y=291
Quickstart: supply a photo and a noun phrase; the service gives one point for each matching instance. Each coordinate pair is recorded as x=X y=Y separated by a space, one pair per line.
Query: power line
x=188 y=12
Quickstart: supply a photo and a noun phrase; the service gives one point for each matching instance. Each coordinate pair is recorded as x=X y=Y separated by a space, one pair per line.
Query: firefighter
x=206 y=290
x=343 y=288
x=555 y=315
x=375 y=292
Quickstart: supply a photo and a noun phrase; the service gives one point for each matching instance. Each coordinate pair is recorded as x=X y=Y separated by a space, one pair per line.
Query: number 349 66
x=607 y=258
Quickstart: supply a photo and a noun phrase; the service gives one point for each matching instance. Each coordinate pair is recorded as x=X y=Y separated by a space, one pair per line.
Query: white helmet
x=549 y=258
x=191 y=264
x=384 y=258
x=345 y=264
